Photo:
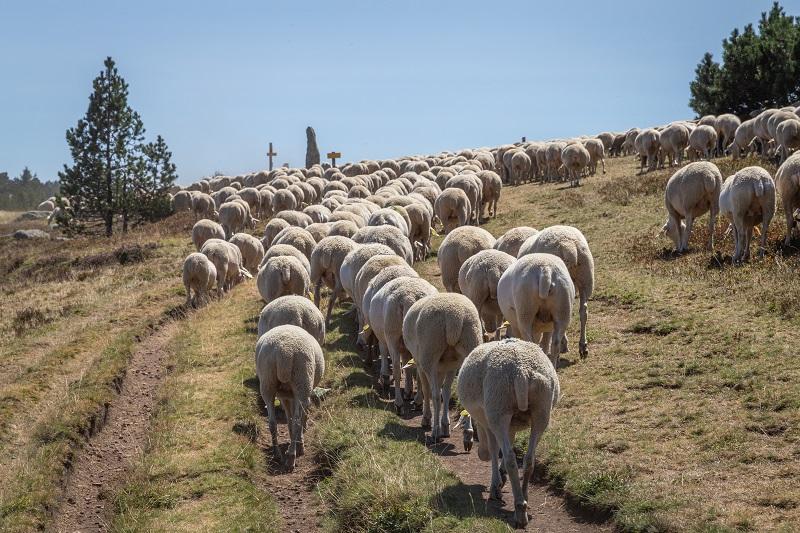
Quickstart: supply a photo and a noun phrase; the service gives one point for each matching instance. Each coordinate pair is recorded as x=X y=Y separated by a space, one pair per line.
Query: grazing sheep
x=691 y=192
x=203 y=206
x=295 y=218
x=47 y=205
x=569 y=244
x=702 y=141
x=453 y=208
x=388 y=235
x=492 y=185
x=234 y=217
x=535 y=295
x=787 y=136
x=280 y=276
x=371 y=268
x=297 y=237
x=508 y=386
x=742 y=139
x=289 y=364
x=459 y=245
x=473 y=188
x=420 y=230
x=387 y=309
x=182 y=201
x=206 y=229
x=440 y=331
x=342 y=228
x=747 y=198
x=295 y=310
x=326 y=262
x=596 y=150
x=520 y=167
x=318 y=230
x=288 y=250
x=511 y=241
x=575 y=158
x=199 y=275
x=354 y=260
x=725 y=126
x=787 y=180
x=251 y=248
x=647 y=144
x=274 y=226
x=478 y=279
x=283 y=200
x=674 y=139
x=227 y=260
x=318 y=213
x=390 y=217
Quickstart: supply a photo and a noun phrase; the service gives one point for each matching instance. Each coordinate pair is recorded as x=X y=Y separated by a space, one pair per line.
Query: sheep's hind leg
x=447 y=389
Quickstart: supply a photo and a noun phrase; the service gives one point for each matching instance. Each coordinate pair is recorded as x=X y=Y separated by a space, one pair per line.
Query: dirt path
x=102 y=464
x=551 y=512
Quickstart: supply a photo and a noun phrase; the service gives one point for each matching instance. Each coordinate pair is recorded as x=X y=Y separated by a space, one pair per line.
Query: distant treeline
x=25 y=192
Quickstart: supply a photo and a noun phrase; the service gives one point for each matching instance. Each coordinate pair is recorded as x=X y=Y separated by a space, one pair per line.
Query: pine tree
x=704 y=88
x=156 y=174
x=105 y=146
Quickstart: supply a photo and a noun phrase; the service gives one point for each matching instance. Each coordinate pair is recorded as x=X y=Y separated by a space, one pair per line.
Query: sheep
x=535 y=295
x=787 y=181
x=420 y=230
x=354 y=260
x=251 y=248
x=206 y=229
x=47 y=205
x=742 y=139
x=342 y=228
x=674 y=139
x=297 y=237
x=439 y=331
x=477 y=280
x=787 y=137
x=596 y=150
x=273 y=227
x=459 y=245
x=326 y=261
x=692 y=191
x=391 y=217
x=453 y=208
x=341 y=214
x=473 y=187
x=280 y=276
x=318 y=213
x=203 y=206
x=492 y=185
x=520 y=167
x=647 y=144
x=289 y=364
x=703 y=141
x=252 y=197
x=725 y=126
x=227 y=260
x=233 y=217
x=575 y=158
x=199 y=275
x=283 y=200
x=318 y=230
x=295 y=310
x=182 y=201
x=511 y=241
x=387 y=309
x=507 y=386
x=295 y=218
x=746 y=198
x=569 y=244
x=288 y=250
x=388 y=235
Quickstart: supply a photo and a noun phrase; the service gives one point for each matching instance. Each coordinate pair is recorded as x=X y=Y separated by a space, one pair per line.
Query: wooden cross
x=333 y=156
x=271 y=154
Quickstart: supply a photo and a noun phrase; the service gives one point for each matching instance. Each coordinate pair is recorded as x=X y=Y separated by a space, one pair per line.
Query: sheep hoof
x=301 y=449
x=290 y=461
x=583 y=350
x=495 y=493
x=521 y=517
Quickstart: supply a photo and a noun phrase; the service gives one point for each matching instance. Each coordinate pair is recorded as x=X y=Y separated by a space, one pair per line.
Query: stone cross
x=271 y=154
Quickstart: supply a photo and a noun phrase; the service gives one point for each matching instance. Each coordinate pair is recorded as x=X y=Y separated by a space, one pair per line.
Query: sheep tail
x=759 y=189
x=284 y=367
x=544 y=283
x=286 y=274
x=521 y=392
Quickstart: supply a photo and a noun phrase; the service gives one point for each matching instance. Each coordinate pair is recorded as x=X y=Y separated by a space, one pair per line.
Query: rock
x=33 y=215
x=312 y=152
x=31 y=234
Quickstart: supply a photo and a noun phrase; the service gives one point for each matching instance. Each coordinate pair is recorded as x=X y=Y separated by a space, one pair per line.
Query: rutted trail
x=102 y=464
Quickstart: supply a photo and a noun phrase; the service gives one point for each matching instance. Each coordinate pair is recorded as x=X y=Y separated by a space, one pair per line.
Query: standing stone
x=312 y=152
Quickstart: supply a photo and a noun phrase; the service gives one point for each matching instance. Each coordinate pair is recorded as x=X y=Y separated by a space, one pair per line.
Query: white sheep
x=251 y=248
x=691 y=192
x=520 y=167
x=280 y=276
x=203 y=206
x=234 y=217
x=787 y=181
x=747 y=198
x=569 y=244
x=295 y=218
x=787 y=137
x=390 y=236
x=473 y=188
x=742 y=139
x=387 y=309
x=227 y=260
x=674 y=139
x=288 y=250
x=440 y=331
x=575 y=158
x=535 y=295
x=703 y=141
x=199 y=275
x=318 y=230
x=647 y=144
x=273 y=227
x=726 y=126
x=326 y=261
x=354 y=260
x=597 y=153
x=511 y=241
x=453 y=208
x=477 y=280
x=300 y=238
x=420 y=230
x=295 y=310
x=507 y=386
x=459 y=245
x=289 y=364
x=492 y=185
x=204 y=230
x=283 y=200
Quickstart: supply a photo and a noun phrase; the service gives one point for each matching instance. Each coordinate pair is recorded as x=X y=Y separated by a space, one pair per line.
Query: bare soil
x=102 y=464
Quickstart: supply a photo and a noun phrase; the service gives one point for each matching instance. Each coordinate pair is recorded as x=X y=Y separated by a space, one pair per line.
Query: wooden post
x=271 y=154
x=333 y=156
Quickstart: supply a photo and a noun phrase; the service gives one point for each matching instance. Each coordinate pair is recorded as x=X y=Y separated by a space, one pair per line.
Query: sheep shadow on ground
x=467 y=501
x=401 y=432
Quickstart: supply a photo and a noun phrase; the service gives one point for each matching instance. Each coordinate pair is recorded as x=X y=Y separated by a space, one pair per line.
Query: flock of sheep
x=501 y=324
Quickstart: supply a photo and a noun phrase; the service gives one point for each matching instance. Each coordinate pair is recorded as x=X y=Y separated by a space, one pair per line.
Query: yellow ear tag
x=464 y=413
x=505 y=324
x=434 y=232
x=366 y=329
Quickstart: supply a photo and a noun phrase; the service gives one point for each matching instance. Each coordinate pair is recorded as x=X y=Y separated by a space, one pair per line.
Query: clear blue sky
x=376 y=79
